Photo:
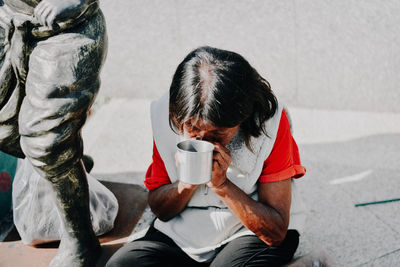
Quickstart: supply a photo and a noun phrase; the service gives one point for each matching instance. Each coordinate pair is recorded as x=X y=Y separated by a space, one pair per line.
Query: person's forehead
x=206 y=126
x=203 y=124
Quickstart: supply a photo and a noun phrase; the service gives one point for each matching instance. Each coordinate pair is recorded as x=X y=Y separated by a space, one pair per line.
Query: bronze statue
x=51 y=53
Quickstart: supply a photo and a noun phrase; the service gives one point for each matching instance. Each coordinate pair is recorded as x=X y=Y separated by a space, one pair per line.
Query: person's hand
x=48 y=11
x=221 y=161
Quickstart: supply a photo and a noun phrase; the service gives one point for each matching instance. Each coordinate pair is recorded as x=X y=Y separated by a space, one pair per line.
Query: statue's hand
x=47 y=12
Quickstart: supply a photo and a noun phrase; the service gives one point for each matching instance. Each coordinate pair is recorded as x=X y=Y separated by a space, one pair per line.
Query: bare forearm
x=265 y=221
x=169 y=200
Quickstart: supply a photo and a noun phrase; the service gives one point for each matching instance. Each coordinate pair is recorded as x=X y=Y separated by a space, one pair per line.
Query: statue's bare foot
x=72 y=253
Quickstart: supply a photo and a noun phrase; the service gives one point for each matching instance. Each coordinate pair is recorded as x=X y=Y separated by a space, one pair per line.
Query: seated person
x=241 y=216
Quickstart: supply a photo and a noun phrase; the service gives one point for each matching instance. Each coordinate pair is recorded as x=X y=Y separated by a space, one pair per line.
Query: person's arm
x=169 y=200
x=166 y=200
x=268 y=217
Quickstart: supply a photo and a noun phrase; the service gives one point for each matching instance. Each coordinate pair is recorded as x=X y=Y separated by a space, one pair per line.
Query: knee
x=138 y=254
x=292 y=239
x=47 y=140
x=113 y=262
x=124 y=257
x=34 y=148
x=48 y=156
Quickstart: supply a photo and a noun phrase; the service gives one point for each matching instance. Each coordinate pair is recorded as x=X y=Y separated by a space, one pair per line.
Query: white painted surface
x=323 y=54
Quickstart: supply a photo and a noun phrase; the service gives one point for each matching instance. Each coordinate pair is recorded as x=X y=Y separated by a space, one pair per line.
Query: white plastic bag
x=34 y=206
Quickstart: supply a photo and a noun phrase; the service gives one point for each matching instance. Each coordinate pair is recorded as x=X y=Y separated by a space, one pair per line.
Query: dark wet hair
x=220 y=87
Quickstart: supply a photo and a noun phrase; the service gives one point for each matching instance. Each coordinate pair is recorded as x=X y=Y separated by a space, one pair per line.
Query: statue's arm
x=47 y=12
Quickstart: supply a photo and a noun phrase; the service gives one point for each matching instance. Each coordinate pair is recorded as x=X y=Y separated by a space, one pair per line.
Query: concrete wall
x=342 y=54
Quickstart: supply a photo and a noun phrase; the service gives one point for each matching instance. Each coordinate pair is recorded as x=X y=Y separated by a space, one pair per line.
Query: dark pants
x=157 y=249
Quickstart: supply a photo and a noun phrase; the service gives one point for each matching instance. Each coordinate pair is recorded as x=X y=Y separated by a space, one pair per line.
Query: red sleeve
x=284 y=161
x=156 y=174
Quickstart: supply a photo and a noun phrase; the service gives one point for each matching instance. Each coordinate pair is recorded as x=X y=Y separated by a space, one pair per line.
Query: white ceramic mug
x=194 y=160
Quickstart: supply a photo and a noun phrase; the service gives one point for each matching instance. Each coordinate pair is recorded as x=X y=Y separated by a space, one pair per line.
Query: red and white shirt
x=282 y=163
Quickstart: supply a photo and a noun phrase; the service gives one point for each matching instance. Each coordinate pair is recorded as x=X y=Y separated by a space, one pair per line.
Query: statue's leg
x=62 y=82
x=11 y=93
x=9 y=134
